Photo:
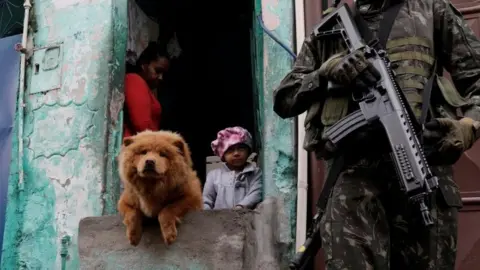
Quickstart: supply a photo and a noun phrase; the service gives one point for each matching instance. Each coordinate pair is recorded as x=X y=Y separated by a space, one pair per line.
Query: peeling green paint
x=257 y=73
x=72 y=135
x=278 y=156
x=115 y=125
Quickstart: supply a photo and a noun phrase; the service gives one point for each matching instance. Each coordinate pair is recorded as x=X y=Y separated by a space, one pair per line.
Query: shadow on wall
x=9 y=77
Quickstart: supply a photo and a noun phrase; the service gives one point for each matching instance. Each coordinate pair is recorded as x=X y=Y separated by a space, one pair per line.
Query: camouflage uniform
x=368 y=223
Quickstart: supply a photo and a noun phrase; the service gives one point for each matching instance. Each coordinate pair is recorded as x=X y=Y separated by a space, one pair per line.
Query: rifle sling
x=386 y=25
x=332 y=176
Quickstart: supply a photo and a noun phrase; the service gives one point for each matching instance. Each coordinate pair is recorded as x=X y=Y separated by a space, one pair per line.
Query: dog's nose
x=149 y=163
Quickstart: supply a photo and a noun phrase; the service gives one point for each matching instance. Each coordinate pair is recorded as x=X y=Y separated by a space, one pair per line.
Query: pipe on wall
x=21 y=92
x=302 y=155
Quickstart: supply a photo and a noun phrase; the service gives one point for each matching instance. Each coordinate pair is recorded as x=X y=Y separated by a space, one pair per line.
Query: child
x=237 y=184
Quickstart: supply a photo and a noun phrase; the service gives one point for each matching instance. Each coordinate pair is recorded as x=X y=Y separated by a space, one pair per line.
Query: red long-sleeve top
x=142 y=107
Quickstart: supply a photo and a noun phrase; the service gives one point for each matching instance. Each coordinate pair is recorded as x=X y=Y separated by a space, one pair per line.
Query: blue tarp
x=9 y=78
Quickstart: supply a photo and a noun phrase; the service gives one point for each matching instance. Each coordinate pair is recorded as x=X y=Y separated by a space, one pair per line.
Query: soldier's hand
x=349 y=70
x=450 y=138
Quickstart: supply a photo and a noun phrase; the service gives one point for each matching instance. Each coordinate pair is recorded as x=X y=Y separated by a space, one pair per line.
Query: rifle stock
x=310 y=248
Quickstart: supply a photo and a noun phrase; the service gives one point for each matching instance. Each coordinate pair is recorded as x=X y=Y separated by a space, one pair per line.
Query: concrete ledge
x=223 y=240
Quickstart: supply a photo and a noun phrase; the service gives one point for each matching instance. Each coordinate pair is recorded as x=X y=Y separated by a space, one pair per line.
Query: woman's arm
x=138 y=103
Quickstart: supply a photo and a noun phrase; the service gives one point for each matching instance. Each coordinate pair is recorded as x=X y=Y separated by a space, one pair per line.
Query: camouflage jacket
x=412 y=51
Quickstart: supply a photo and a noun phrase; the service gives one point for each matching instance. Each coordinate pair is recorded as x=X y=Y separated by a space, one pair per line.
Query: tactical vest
x=411 y=50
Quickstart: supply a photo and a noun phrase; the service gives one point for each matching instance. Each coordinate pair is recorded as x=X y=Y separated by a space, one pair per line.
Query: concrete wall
x=207 y=240
x=69 y=127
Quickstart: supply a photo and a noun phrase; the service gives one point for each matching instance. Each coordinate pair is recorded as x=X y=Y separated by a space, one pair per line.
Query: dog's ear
x=127 y=141
x=184 y=151
x=180 y=145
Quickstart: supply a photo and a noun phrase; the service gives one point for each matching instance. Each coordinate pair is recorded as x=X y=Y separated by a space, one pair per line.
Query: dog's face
x=151 y=163
x=153 y=155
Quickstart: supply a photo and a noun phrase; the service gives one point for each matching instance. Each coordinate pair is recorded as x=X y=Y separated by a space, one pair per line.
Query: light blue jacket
x=224 y=190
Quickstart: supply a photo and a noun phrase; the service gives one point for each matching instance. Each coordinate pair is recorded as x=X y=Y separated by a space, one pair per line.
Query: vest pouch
x=451 y=95
x=313 y=128
x=334 y=109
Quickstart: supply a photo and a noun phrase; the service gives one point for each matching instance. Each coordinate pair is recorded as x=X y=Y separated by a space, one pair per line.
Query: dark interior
x=209 y=87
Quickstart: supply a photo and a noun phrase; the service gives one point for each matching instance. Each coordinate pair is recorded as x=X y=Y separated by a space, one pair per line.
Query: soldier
x=368 y=223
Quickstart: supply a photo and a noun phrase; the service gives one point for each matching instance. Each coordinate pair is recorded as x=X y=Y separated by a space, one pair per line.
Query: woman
x=142 y=109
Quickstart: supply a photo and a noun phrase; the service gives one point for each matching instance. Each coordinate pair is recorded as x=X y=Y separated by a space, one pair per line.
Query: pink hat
x=229 y=137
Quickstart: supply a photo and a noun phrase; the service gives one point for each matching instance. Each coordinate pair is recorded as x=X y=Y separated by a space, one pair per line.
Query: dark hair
x=151 y=53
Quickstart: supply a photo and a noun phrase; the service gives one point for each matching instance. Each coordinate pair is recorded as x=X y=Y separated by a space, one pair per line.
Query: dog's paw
x=169 y=232
x=134 y=236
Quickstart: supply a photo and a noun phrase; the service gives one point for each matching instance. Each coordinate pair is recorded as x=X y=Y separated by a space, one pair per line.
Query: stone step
x=223 y=240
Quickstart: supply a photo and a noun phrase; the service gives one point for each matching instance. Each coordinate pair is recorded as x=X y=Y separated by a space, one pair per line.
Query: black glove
x=349 y=70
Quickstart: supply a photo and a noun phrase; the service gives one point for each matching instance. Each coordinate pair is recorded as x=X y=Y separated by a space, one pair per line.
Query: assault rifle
x=386 y=104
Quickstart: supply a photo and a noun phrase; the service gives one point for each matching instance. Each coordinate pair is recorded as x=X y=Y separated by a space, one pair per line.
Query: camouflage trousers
x=368 y=223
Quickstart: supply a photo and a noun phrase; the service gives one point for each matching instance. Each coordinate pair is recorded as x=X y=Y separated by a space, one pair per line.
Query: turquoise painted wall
x=67 y=132
x=278 y=158
x=72 y=134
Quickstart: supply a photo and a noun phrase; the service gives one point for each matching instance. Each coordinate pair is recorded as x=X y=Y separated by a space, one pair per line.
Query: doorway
x=210 y=82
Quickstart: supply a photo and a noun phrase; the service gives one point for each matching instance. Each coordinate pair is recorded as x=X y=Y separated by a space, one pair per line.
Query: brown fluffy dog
x=156 y=170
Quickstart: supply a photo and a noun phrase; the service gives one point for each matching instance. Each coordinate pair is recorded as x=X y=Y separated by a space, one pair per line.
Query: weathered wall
x=68 y=130
x=278 y=157
x=207 y=240
x=114 y=104
x=72 y=128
